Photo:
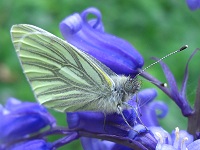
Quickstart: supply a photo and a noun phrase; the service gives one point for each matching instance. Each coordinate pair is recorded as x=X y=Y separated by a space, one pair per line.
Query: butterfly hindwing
x=61 y=76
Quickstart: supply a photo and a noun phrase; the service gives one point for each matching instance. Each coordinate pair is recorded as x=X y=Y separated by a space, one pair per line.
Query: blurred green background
x=155 y=28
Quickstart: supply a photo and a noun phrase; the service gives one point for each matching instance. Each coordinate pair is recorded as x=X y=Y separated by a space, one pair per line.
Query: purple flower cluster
x=26 y=125
x=20 y=120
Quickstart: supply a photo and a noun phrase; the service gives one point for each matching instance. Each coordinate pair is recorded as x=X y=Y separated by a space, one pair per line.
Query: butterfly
x=67 y=79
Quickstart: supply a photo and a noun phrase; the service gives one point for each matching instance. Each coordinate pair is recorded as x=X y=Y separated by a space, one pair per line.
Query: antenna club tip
x=183 y=47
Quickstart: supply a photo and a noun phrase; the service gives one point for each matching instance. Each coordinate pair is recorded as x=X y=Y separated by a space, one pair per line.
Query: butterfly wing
x=61 y=76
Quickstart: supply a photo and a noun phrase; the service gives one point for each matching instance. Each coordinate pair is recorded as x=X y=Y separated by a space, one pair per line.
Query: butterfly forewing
x=61 y=76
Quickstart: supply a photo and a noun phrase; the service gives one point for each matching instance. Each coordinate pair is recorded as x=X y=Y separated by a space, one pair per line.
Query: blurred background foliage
x=155 y=28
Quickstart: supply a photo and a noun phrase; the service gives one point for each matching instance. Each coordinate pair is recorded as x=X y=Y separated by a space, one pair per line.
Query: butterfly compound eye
x=132 y=85
x=128 y=86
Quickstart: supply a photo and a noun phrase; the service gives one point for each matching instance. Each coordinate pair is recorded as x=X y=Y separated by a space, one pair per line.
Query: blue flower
x=178 y=140
x=31 y=145
x=148 y=107
x=97 y=122
x=193 y=4
x=20 y=119
x=89 y=36
x=113 y=126
x=96 y=144
x=144 y=140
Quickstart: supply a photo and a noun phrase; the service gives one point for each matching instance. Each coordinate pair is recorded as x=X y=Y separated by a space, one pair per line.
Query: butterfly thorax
x=123 y=90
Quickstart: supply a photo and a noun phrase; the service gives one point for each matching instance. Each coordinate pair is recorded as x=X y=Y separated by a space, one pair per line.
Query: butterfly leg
x=137 y=102
x=120 y=111
x=136 y=112
x=104 y=122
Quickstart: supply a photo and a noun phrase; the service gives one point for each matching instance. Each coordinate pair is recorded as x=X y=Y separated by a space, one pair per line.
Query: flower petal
x=194 y=145
x=90 y=121
x=165 y=136
x=144 y=136
x=144 y=96
x=176 y=96
x=170 y=78
x=165 y=147
x=96 y=122
x=137 y=129
x=32 y=145
x=182 y=134
x=184 y=84
x=22 y=119
x=115 y=53
x=96 y=144
x=148 y=108
x=149 y=113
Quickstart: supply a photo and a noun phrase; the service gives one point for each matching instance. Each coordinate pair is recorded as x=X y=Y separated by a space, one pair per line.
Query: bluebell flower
x=193 y=4
x=89 y=36
x=20 y=119
x=113 y=125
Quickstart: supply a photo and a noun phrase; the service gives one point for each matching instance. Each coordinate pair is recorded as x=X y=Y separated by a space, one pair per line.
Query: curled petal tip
x=89 y=36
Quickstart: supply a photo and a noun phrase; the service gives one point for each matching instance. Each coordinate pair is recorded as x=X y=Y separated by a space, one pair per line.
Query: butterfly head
x=132 y=85
x=125 y=88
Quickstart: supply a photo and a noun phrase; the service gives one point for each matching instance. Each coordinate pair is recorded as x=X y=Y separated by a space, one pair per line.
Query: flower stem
x=119 y=140
x=194 y=119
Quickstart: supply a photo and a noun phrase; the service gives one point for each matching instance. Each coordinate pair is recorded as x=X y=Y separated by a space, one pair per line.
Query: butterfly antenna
x=162 y=84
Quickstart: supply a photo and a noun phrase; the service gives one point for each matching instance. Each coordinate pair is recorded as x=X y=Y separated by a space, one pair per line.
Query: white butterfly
x=66 y=79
